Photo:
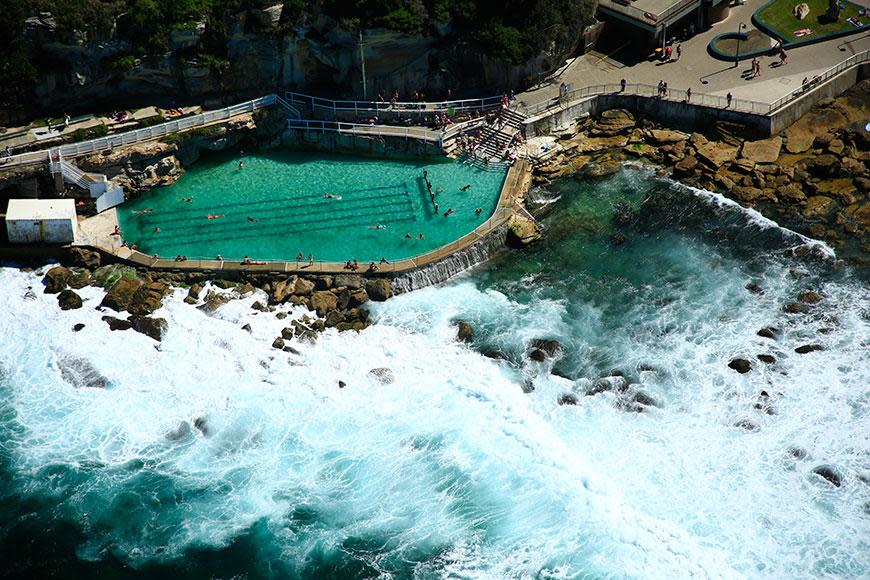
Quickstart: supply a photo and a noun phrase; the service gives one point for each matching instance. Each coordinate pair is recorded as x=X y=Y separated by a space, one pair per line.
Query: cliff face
x=81 y=75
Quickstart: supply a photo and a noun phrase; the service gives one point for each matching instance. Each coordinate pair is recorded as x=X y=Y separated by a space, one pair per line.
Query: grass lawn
x=778 y=17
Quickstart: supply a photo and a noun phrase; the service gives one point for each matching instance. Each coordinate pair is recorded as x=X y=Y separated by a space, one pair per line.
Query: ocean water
x=216 y=456
x=273 y=208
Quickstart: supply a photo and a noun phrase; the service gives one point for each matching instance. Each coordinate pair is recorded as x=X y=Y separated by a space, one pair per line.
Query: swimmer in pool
x=477 y=211
x=409 y=236
x=241 y=164
x=465 y=187
x=331 y=196
x=186 y=199
x=250 y=219
x=378 y=227
x=149 y=210
x=213 y=216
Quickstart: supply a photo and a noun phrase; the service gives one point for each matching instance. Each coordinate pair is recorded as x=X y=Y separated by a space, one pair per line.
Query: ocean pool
x=273 y=207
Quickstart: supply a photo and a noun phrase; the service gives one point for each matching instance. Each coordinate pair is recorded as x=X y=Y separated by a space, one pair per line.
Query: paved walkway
x=696 y=66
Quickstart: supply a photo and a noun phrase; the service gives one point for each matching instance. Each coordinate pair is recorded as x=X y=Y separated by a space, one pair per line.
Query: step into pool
x=276 y=204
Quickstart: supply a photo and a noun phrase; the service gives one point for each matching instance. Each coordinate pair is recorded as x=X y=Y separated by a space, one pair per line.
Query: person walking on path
x=664 y=89
x=622 y=86
x=783 y=57
x=688 y=94
x=728 y=97
x=679 y=51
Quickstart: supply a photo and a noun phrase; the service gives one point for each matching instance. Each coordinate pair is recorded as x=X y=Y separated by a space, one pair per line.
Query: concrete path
x=704 y=74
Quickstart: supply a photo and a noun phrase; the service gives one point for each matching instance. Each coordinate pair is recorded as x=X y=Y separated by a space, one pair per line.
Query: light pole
x=740 y=28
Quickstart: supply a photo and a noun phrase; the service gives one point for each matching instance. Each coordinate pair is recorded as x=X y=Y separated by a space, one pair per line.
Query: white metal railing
x=294 y=112
x=145 y=133
x=457 y=128
x=404 y=107
x=854 y=60
x=363 y=129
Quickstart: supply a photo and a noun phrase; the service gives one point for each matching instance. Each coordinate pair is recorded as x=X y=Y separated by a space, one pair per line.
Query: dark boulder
x=117 y=323
x=807 y=348
x=543 y=349
x=352 y=281
x=768 y=332
x=182 y=431
x=379 y=289
x=341 y=384
x=56 y=279
x=795 y=308
x=78 y=326
x=829 y=474
x=247 y=327
x=155 y=328
x=69 y=300
x=120 y=295
x=797 y=452
x=201 y=424
x=79 y=278
x=82 y=257
x=278 y=342
x=810 y=297
x=754 y=288
x=644 y=399
x=767 y=358
x=741 y=365
x=464 y=332
x=148 y=298
x=567 y=399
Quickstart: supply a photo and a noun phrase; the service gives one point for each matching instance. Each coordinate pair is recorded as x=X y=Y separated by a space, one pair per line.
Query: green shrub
x=150 y=121
x=94 y=132
x=401 y=20
x=121 y=63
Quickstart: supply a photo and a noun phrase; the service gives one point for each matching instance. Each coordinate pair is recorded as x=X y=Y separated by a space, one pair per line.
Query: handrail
x=145 y=133
x=362 y=129
x=421 y=107
x=835 y=70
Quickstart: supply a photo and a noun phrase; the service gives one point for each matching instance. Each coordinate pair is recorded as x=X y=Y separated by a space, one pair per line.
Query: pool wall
x=331 y=141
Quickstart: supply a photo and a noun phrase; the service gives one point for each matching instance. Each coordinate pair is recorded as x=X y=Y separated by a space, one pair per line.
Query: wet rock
x=341 y=384
x=665 y=137
x=383 y=375
x=767 y=358
x=259 y=306
x=686 y=166
x=69 y=300
x=464 y=333
x=352 y=281
x=824 y=165
x=153 y=327
x=194 y=291
x=182 y=431
x=792 y=193
x=323 y=282
x=763 y=403
x=82 y=257
x=213 y=301
x=797 y=452
x=818 y=206
x=748 y=425
x=810 y=297
x=56 y=279
x=557 y=372
x=716 y=154
x=247 y=328
x=829 y=474
x=334 y=318
x=795 y=308
x=323 y=301
x=79 y=278
x=245 y=290
x=80 y=373
x=607 y=384
x=613 y=122
x=281 y=290
x=357 y=298
x=148 y=298
x=278 y=343
x=567 y=399
x=379 y=289
x=78 y=326
x=493 y=354
x=548 y=346
x=808 y=348
x=201 y=424
x=521 y=231
x=107 y=276
x=303 y=287
x=754 y=288
x=643 y=399
x=120 y=295
x=741 y=365
x=117 y=323
x=764 y=151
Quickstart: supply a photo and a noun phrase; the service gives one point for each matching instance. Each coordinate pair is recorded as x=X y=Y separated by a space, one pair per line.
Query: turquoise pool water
x=273 y=208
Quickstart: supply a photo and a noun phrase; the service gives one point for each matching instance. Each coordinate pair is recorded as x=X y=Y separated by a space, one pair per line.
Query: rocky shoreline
x=332 y=301
x=814 y=178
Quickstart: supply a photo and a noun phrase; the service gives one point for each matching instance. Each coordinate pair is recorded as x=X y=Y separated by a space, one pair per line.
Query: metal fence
x=854 y=60
x=363 y=130
x=144 y=134
x=377 y=107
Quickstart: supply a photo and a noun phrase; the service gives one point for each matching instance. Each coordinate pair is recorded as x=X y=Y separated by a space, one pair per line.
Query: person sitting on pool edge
x=246 y=260
x=372 y=268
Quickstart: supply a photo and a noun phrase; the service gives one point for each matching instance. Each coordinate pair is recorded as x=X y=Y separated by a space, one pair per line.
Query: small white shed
x=33 y=221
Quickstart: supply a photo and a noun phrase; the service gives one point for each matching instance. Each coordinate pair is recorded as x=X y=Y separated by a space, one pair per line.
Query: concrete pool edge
x=96 y=234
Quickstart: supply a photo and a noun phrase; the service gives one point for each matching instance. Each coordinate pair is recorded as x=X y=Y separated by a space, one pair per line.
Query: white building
x=33 y=221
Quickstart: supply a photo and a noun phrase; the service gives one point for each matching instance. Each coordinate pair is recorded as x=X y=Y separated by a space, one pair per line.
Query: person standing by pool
x=310 y=260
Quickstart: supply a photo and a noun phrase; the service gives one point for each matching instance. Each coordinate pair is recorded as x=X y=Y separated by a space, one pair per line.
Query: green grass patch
x=779 y=19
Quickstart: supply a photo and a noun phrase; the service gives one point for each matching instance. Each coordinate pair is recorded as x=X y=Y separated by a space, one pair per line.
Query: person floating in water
x=331 y=196
x=478 y=211
x=420 y=237
x=157 y=230
x=214 y=216
x=378 y=227
x=408 y=236
x=186 y=200
x=251 y=219
x=448 y=212
x=465 y=187
x=148 y=210
x=241 y=164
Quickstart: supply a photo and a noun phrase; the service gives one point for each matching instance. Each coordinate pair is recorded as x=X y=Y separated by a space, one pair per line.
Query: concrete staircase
x=106 y=193
x=496 y=138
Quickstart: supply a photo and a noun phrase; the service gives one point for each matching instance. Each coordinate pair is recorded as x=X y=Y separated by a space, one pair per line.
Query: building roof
x=40 y=209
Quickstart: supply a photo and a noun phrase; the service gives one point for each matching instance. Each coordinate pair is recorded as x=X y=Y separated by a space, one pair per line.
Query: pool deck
x=97 y=232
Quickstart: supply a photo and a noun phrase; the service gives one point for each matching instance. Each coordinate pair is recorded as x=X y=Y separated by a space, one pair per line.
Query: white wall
x=51 y=231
